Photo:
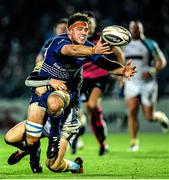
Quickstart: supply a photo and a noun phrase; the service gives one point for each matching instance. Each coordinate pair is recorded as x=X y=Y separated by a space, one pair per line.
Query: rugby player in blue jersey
x=69 y=128
x=63 y=61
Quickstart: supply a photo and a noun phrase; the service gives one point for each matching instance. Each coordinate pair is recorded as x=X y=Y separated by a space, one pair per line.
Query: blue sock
x=55 y=125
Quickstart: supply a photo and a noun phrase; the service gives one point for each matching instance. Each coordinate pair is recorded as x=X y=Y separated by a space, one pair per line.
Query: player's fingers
x=105 y=44
x=64 y=87
x=108 y=52
x=106 y=48
x=129 y=62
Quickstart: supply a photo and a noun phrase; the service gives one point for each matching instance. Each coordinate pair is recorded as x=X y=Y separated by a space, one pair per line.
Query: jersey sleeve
x=153 y=47
x=59 y=43
x=106 y=63
x=33 y=80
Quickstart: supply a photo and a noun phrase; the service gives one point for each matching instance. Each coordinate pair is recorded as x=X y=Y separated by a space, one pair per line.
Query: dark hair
x=77 y=17
x=90 y=14
x=60 y=21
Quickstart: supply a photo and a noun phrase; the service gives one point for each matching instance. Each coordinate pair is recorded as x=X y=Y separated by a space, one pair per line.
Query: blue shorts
x=42 y=100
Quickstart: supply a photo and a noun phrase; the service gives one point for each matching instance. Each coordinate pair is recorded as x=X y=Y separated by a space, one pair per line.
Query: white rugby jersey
x=143 y=54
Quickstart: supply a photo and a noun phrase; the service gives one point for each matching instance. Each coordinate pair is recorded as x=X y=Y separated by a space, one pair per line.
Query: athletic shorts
x=42 y=100
x=147 y=91
x=89 y=84
x=69 y=126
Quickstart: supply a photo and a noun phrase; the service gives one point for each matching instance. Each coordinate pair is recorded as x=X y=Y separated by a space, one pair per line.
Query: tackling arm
x=33 y=80
x=38 y=82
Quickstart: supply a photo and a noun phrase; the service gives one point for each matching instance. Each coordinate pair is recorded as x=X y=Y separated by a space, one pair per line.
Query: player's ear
x=69 y=31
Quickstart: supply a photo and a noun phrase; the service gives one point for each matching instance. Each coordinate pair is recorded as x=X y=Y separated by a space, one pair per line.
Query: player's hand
x=151 y=73
x=129 y=70
x=146 y=75
x=102 y=48
x=40 y=90
x=58 y=84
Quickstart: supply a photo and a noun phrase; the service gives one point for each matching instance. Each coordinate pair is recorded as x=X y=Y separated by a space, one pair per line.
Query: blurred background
x=25 y=25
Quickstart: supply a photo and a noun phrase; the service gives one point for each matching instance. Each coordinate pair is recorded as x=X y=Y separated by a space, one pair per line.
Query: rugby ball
x=116 y=35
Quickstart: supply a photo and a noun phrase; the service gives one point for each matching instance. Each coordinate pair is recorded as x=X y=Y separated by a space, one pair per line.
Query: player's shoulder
x=150 y=42
x=61 y=38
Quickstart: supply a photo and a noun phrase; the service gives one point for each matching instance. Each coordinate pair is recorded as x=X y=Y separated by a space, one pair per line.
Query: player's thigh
x=95 y=96
x=131 y=89
x=35 y=113
x=16 y=133
x=149 y=94
x=149 y=99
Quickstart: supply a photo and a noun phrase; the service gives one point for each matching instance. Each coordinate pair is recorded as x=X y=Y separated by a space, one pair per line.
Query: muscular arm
x=83 y=51
x=35 y=81
x=119 y=54
x=77 y=50
x=160 y=61
x=127 y=71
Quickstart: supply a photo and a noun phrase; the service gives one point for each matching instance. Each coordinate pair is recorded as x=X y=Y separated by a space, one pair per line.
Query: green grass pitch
x=151 y=162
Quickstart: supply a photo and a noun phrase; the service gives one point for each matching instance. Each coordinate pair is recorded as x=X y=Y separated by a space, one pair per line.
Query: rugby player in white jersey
x=142 y=89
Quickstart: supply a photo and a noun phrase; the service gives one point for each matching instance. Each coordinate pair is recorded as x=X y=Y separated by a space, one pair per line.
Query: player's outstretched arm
x=119 y=54
x=127 y=71
x=83 y=51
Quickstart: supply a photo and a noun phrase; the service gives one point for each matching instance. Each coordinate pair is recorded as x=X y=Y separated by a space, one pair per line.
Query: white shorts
x=147 y=90
x=69 y=128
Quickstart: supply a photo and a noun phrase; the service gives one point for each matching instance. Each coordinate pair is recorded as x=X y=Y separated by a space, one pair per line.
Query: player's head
x=92 y=22
x=136 y=29
x=60 y=26
x=77 y=28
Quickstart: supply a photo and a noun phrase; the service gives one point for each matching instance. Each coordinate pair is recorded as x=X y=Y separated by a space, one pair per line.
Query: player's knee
x=49 y=163
x=53 y=165
x=7 y=138
x=55 y=105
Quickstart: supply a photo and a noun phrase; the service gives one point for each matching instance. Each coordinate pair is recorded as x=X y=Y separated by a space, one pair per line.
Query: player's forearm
x=119 y=72
x=159 y=65
x=119 y=54
x=36 y=83
x=160 y=62
x=77 y=50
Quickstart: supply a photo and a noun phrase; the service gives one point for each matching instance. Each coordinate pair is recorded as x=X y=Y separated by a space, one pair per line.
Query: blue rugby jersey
x=63 y=67
x=59 y=66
